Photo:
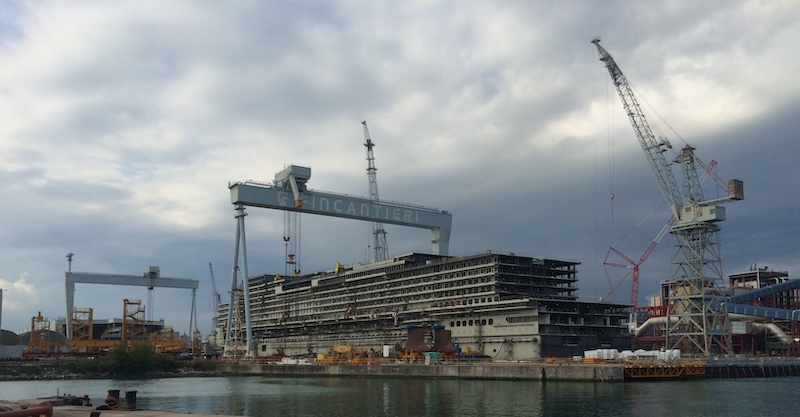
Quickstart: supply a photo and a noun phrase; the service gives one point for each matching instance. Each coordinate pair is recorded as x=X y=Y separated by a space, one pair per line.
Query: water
x=352 y=397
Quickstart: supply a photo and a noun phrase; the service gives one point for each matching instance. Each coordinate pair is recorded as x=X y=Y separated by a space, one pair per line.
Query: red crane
x=634 y=266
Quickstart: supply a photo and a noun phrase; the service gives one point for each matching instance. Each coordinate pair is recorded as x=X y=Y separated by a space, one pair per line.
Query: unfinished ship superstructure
x=504 y=306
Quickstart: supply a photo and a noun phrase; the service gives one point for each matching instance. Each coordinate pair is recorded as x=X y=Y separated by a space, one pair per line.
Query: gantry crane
x=696 y=275
x=380 y=250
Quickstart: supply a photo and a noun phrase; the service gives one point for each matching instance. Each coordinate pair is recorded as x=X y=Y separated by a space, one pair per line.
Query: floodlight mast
x=696 y=276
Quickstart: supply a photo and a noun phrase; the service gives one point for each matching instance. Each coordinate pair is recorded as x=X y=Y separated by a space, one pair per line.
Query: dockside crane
x=696 y=280
x=380 y=250
x=634 y=265
x=215 y=297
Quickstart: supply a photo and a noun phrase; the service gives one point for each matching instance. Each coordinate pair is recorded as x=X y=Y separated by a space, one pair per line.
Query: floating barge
x=690 y=368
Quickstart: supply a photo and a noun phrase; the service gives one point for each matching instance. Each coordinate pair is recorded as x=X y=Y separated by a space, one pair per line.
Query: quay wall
x=753 y=368
x=489 y=371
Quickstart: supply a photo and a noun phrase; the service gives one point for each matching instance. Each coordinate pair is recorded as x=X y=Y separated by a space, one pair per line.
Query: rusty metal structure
x=151 y=279
x=133 y=321
x=42 y=342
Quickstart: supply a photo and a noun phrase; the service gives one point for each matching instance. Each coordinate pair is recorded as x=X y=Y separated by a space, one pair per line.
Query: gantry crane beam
x=150 y=278
x=270 y=196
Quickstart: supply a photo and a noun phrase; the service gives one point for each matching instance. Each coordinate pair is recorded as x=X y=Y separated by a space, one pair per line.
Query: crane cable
x=610 y=133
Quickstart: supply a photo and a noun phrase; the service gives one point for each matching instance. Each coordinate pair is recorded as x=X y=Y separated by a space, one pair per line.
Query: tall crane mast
x=696 y=273
x=215 y=297
x=380 y=250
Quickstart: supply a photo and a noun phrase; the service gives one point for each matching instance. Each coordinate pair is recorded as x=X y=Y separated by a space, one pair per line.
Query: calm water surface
x=352 y=397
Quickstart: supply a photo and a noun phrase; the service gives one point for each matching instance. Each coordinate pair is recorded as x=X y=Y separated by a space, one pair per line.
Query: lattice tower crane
x=215 y=297
x=380 y=250
x=696 y=273
x=634 y=265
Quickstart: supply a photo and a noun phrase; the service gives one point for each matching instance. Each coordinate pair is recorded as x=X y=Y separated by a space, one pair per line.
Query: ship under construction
x=503 y=306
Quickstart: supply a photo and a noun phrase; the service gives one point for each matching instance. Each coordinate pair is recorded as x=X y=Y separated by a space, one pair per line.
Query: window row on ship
x=469 y=296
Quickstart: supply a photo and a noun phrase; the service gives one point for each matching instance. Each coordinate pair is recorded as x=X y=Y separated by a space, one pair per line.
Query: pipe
x=45 y=410
x=652 y=321
x=775 y=330
x=765 y=291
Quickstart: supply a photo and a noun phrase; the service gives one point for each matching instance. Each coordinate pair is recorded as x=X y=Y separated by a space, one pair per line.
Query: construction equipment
x=215 y=298
x=380 y=250
x=696 y=275
x=133 y=320
x=635 y=265
x=289 y=193
x=41 y=340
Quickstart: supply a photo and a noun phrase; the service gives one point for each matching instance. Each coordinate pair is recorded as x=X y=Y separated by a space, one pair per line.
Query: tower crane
x=215 y=297
x=696 y=274
x=380 y=250
x=634 y=265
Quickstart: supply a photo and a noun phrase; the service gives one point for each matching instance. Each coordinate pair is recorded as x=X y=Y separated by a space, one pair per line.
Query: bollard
x=113 y=398
x=130 y=399
x=114 y=393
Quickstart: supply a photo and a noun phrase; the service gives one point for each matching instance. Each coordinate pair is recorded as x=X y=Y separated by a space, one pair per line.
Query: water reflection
x=352 y=397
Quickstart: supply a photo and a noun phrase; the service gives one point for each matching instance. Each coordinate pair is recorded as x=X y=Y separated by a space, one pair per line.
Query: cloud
x=24 y=295
x=122 y=126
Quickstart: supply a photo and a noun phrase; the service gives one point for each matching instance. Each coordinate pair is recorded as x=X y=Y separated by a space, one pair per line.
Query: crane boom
x=654 y=147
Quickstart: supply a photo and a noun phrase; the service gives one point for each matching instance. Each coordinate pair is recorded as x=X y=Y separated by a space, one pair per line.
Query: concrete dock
x=82 y=411
x=560 y=371
x=78 y=411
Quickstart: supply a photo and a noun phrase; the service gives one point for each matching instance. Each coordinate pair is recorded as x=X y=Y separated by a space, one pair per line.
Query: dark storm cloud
x=122 y=126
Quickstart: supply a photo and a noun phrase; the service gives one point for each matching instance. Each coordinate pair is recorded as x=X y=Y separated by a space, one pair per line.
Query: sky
x=122 y=124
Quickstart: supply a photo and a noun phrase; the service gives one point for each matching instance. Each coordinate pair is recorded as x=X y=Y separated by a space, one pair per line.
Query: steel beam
x=338 y=205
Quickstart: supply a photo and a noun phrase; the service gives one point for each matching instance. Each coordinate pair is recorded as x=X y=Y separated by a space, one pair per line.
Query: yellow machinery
x=83 y=341
x=41 y=341
x=341 y=354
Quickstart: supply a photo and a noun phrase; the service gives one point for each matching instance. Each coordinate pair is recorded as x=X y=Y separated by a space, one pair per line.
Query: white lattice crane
x=696 y=273
x=380 y=250
x=215 y=297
